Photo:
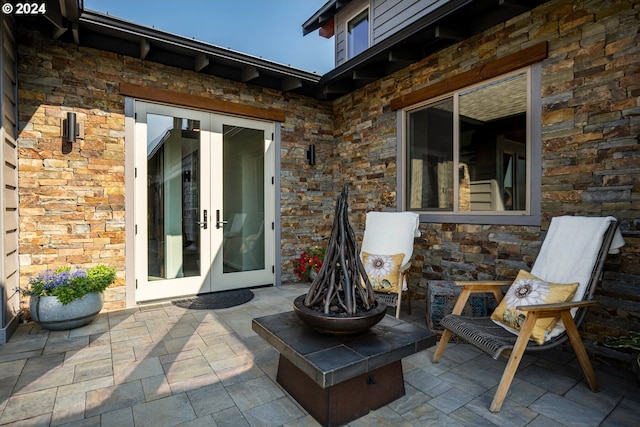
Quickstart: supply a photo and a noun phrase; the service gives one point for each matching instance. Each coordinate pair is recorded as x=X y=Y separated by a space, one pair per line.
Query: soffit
x=451 y=23
x=455 y=21
x=66 y=20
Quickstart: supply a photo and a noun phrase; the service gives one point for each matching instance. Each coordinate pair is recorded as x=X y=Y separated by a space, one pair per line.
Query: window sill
x=447 y=218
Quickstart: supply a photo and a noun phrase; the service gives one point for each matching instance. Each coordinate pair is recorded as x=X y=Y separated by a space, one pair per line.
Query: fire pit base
x=347 y=401
x=339 y=325
x=338 y=378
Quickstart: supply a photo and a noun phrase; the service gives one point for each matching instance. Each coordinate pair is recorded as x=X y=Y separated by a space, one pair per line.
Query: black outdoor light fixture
x=311 y=154
x=71 y=130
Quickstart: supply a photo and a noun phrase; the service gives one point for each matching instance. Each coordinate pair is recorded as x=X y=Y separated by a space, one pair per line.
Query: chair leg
x=398 y=303
x=442 y=344
x=514 y=361
x=408 y=301
x=446 y=335
x=581 y=353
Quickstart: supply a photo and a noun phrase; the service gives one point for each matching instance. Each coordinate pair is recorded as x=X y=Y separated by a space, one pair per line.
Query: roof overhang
x=323 y=15
x=66 y=20
x=456 y=20
x=453 y=22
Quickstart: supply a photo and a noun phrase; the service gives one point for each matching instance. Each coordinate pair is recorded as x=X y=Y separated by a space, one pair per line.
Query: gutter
x=137 y=32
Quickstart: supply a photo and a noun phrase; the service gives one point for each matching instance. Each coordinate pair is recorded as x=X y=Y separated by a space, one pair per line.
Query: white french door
x=204 y=202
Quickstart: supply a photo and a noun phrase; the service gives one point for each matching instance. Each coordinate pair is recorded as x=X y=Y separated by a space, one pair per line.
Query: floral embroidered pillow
x=383 y=271
x=528 y=289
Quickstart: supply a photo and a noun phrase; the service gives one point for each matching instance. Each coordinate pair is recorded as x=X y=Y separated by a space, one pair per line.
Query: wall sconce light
x=71 y=130
x=311 y=154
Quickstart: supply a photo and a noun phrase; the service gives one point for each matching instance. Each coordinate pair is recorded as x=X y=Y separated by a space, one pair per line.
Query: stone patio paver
x=168 y=411
x=165 y=365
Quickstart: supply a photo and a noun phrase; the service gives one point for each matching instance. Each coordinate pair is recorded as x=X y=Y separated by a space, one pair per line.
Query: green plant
x=69 y=285
x=630 y=341
x=308 y=261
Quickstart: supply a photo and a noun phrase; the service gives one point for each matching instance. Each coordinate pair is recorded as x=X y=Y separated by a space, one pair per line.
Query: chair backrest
x=389 y=233
x=574 y=250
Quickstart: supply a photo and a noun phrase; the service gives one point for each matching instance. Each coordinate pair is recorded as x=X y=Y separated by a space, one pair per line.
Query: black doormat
x=216 y=300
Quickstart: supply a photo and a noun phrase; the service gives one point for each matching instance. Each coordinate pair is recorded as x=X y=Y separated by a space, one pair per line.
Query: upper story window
x=470 y=152
x=358 y=34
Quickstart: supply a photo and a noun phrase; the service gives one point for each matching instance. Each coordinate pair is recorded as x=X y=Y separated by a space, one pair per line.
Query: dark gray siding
x=387 y=17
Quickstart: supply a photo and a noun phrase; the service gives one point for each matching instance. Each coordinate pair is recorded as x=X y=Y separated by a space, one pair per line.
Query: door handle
x=203 y=224
x=219 y=222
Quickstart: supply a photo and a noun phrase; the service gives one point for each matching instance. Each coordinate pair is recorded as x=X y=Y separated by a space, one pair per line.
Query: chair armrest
x=492 y=286
x=554 y=307
x=483 y=286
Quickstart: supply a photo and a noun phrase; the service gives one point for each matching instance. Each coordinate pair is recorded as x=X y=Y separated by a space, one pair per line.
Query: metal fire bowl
x=339 y=325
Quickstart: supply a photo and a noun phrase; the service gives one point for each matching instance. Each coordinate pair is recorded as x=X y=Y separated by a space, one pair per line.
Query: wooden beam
x=404 y=56
x=337 y=88
x=54 y=15
x=290 y=83
x=200 y=62
x=525 y=57
x=328 y=29
x=249 y=73
x=449 y=33
x=145 y=47
x=367 y=74
x=200 y=102
x=76 y=33
x=520 y=5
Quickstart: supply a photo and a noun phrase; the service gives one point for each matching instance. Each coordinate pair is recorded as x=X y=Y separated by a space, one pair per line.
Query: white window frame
x=532 y=214
x=346 y=31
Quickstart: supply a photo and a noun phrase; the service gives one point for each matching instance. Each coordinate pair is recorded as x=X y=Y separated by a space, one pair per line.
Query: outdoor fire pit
x=340 y=299
x=339 y=324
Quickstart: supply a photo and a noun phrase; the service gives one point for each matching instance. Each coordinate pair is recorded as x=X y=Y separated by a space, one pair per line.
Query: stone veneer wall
x=72 y=205
x=591 y=152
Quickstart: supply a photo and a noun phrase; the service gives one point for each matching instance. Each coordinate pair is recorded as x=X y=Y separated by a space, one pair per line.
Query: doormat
x=216 y=300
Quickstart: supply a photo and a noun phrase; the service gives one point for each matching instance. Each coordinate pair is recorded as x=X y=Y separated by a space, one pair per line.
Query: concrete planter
x=49 y=313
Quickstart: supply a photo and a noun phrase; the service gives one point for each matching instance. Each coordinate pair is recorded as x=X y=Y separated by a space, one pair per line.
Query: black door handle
x=203 y=224
x=219 y=222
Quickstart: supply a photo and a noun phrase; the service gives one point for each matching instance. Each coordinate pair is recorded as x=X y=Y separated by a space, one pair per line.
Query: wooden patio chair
x=390 y=234
x=574 y=250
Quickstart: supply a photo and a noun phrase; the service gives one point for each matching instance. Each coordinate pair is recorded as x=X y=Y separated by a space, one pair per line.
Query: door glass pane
x=243 y=199
x=173 y=180
x=430 y=162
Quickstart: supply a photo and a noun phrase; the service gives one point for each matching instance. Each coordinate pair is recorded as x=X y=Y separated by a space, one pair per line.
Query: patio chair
x=387 y=247
x=574 y=250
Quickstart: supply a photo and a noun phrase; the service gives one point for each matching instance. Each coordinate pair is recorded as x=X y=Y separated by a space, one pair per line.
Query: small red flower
x=309 y=260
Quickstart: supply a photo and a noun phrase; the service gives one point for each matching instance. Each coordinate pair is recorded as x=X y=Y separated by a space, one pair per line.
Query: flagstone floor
x=160 y=365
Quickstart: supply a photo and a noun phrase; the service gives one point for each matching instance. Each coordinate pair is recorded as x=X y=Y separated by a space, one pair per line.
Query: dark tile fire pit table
x=339 y=378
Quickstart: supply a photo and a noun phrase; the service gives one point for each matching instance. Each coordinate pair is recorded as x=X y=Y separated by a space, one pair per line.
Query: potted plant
x=65 y=299
x=631 y=341
x=307 y=265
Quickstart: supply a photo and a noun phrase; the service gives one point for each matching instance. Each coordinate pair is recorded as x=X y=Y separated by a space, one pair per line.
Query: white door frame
x=135 y=175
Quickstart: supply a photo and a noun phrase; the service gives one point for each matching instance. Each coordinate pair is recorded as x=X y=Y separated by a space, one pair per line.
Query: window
x=470 y=152
x=358 y=34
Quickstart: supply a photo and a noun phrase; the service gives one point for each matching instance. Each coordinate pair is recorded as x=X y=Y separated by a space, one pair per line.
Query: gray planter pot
x=49 y=313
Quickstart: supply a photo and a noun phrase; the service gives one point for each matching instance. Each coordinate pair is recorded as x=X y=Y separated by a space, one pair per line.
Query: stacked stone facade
x=72 y=209
x=72 y=205
x=590 y=148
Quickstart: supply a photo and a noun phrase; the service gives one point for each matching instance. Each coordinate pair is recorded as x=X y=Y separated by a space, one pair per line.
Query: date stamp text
x=27 y=8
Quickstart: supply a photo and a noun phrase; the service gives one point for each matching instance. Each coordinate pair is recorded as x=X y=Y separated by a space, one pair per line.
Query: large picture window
x=470 y=152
